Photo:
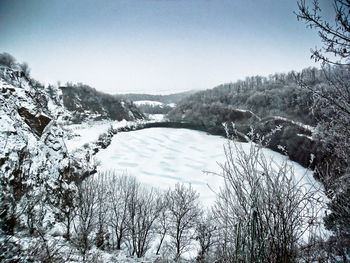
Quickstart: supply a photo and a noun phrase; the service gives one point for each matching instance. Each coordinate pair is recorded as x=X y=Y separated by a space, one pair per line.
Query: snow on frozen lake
x=161 y=157
x=89 y=132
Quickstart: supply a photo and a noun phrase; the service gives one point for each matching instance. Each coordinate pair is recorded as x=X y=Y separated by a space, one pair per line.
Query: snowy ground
x=90 y=131
x=160 y=157
x=153 y=103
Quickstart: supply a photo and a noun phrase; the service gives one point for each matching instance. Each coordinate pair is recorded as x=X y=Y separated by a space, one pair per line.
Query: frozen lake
x=161 y=157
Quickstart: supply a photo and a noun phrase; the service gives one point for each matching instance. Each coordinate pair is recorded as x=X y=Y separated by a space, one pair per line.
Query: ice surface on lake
x=161 y=157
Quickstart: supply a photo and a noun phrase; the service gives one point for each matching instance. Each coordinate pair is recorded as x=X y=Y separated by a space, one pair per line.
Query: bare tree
x=132 y=209
x=102 y=209
x=263 y=210
x=50 y=250
x=162 y=222
x=183 y=214
x=66 y=203
x=335 y=36
x=119 y=195
x=85 y=217
x=333 y=128
x=145 y=210
x=206 y=235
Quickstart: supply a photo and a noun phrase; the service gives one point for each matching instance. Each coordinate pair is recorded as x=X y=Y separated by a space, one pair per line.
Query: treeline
x=171 y=98
x=15 y=72
x=278 y=94
x=284 y=109
x=7 y=60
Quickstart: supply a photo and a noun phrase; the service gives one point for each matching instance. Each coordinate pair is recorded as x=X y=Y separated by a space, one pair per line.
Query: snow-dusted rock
x=34 y=160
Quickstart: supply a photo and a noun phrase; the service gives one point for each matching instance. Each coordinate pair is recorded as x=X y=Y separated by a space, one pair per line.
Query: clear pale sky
x=155 y=46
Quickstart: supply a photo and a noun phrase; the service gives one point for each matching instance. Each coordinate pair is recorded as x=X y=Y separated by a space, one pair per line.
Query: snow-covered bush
x=263 y=212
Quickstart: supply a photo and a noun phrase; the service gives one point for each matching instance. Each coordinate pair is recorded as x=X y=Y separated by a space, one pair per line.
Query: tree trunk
x=161 y=242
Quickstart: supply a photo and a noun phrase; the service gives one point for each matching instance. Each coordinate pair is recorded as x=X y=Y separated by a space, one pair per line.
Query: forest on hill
x=275 y=95
x=283 y=109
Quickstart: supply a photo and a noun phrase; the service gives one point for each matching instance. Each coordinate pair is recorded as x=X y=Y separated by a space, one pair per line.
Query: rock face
x=36 y=123
x=85 y=103
x=34 y=161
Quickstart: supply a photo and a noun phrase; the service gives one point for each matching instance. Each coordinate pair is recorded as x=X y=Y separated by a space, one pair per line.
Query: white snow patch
x=156 y=117
x=90 y=131
x=85 y=133
x=304 y=135
x=307 y=127
x=148 y=102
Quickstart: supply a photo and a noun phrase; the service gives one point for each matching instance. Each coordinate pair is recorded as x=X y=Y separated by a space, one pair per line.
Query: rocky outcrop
x=36 y=123
x=35 y=165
